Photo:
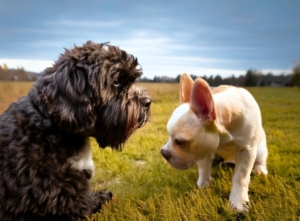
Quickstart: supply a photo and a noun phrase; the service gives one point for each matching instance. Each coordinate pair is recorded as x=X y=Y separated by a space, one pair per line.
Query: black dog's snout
x=146 y=102
x=166 y=154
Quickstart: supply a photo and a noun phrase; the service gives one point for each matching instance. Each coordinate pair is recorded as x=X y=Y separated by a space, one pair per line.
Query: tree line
x=18 y=74
x=252 y=78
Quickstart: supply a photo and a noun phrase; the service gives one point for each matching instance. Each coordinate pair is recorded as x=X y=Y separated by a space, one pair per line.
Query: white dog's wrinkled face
x=190 y=139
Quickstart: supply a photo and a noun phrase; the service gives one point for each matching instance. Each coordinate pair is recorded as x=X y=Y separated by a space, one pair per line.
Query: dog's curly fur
x=88 y=92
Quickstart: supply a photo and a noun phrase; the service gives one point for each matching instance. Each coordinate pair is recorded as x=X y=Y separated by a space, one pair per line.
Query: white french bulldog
x=226 y=121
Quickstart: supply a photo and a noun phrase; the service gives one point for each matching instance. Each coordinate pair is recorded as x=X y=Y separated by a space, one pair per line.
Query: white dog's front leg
x=244 y=160
x=204 y=169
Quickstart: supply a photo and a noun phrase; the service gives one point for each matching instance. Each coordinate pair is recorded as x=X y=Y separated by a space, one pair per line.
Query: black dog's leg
x=99 y=198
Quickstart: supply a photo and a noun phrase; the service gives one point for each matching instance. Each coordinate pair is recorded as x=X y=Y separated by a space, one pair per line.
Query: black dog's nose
x=166 y=154
x=146 y=102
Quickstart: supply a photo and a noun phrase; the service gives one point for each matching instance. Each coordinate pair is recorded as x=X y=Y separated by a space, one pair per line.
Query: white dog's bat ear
x=186 y=85
x=202 y=102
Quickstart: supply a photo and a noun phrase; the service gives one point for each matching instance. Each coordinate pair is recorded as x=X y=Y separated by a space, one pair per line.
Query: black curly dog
x=45 y=159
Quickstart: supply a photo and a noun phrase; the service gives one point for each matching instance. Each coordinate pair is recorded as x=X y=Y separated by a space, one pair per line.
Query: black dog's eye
x=117 y=83
x=179 y=142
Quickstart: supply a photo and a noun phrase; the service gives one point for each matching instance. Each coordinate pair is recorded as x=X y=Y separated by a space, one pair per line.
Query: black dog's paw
x=88 y=174
x=100 y=198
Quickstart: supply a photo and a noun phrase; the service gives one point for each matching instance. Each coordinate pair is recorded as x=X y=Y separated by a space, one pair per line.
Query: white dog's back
x=239 y=119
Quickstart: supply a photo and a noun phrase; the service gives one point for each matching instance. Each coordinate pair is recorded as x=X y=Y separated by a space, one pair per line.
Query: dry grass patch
x=12 y=91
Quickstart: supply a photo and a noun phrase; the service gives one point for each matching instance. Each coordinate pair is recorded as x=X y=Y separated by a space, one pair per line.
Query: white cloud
x=157 y=54
x=174 y=70
x=152 y=45
x=28 y=65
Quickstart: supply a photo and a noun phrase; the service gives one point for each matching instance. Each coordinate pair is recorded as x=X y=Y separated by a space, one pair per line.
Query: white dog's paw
x=260 y=169
x=203 y=182
x=239 y=204
x=241 y=207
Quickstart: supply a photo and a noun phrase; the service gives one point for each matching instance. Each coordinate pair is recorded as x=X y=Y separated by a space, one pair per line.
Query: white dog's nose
x=166 y=154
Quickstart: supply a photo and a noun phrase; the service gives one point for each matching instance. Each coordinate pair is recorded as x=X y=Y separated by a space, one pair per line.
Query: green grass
x=145 y=187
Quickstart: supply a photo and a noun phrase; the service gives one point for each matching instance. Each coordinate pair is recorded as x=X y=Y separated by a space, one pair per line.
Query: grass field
x=145 y=187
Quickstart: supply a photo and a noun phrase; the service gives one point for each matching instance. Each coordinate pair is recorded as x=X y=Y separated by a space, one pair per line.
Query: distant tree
x=177 y=79
x=241 y=80
x=268 y=79
x=250 y=78
x=217 y=80
x=233 y=80
x=259 y=78
x=155 y=79
x=210 y=80
x=20 y=68
x=145 y=79
x=204 y=77
x=4 y=67
x=296 y=76
x=193 y=76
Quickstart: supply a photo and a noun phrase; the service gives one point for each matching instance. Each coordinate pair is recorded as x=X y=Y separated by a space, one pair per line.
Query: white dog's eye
x=179 y=142
x=117 y=83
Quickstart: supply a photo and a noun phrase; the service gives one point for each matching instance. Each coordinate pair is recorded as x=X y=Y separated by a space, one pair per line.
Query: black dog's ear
x=68 y=95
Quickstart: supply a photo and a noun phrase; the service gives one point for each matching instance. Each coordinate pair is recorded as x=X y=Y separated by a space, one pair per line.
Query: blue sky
x=168 y=37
